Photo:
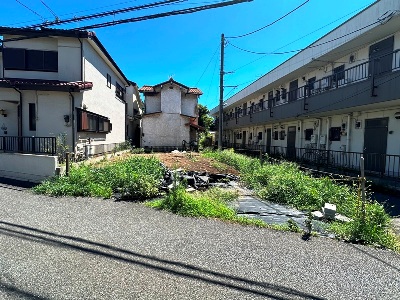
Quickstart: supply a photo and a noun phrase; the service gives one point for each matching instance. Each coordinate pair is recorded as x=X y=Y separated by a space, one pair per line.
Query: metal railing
x=32 y=145
x=381 y=65
x=377 y=164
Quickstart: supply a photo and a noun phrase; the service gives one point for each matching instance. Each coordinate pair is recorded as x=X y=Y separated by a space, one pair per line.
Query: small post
x=260 y=155
x=362 y=187
x=66 y=163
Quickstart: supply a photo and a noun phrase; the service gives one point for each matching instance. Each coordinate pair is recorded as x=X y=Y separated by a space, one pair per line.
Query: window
x=338 y=73
x=260 y=136
x=276 y=135
x=119 y=91
x=88 y=121
x=334 y=133
x=30 y=60
x=307 y=134
x=283 y=94
x=108 y=80
x=32 y=116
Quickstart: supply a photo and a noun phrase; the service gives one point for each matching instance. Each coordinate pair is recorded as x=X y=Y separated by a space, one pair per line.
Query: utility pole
x=221 y=93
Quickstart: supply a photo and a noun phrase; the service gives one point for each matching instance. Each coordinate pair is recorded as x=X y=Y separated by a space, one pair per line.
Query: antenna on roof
x=30 y=10
x=52 y=12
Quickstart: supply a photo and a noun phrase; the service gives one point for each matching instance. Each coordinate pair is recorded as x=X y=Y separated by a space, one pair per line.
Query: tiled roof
x=49 y=85
x=146 y=89
x=151 y=89
x=195 y=91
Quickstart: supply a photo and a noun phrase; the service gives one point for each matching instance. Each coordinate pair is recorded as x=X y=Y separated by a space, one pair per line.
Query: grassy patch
x=136 y=177
x=212 y=203
x=285 y=183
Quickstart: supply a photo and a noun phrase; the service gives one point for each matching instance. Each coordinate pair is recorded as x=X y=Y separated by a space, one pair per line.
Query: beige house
x=61 y=83
x=171 y=115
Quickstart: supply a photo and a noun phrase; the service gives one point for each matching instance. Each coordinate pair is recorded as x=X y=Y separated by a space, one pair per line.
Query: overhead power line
x=31 y=10
x=162 y=15
x=107 y=13
x=308 y=47
x=268 y=25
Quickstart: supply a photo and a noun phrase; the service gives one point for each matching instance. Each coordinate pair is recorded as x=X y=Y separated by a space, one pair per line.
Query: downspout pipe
x=73 y=120
x=19 y=112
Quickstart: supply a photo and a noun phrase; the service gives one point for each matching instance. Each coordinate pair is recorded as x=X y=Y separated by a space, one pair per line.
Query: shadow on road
x=151 y=262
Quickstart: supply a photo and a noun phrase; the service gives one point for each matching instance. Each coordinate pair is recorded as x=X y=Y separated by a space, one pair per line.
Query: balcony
x=370 y=82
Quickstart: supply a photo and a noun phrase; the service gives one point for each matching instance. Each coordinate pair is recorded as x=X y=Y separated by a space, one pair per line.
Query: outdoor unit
x=314 y=138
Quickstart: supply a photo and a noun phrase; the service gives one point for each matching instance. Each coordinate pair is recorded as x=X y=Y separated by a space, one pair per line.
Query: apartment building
x=332 y=102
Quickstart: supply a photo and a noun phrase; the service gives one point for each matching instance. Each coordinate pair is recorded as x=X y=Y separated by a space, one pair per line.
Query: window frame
x=119 y=91
x=108 y=80
x=30 y=60
x=92 y=122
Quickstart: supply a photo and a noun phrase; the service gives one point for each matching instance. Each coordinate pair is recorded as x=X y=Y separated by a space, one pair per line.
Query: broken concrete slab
x=317 y=215
x=329 y=211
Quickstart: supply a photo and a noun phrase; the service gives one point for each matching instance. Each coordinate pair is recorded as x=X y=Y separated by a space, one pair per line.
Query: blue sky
x=187 y=47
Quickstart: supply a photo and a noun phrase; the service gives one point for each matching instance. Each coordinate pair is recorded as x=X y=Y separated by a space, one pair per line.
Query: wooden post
x=362 y=187
x=261 y=158
x=66 y=163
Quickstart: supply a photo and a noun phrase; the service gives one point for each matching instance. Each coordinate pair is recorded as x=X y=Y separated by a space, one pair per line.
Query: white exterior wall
x=165 y=130
x=189 y=105
x=101 y=99
x=153 y=104
x=27 y=167
x=171 y=99
x=69 y=59
x=51 y=108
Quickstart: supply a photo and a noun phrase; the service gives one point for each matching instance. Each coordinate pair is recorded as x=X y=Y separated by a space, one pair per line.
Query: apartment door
x=375 y=144
x=244 y=139
x=293 y=90
x=381 y=56
x=291 y=143
x=269 y=134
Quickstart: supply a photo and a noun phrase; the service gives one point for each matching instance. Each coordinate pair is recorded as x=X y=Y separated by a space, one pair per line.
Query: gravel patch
x=82 y=248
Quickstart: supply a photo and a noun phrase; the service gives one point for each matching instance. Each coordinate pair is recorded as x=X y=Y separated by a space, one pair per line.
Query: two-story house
x=62 y=83
x=171 y=115
x=334 y=101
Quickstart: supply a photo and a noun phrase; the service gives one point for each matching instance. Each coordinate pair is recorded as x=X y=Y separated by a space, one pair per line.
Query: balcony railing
x=377 y=164
x=358 y=73
x=33 y=145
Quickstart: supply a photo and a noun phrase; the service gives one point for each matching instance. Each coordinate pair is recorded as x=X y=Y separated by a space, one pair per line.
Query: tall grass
x=135 y=177
x=212 y=203
x=285 y=183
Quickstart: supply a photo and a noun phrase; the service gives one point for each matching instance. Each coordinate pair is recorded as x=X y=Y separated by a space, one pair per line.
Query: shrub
x=285 y=183
x=136 y=177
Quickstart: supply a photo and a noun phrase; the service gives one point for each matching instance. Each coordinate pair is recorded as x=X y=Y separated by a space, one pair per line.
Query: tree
x=205 y=120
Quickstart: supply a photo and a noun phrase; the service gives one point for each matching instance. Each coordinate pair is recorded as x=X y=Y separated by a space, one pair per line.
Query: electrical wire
x=52 y=12
x=308 y=47
x=207 y=66
x=31 y=10
x=270 y=24
x=296 y=40
x=105 y=14
x=165 y=14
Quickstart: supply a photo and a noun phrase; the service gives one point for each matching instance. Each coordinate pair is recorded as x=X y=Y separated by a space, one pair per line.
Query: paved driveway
x=79 y=248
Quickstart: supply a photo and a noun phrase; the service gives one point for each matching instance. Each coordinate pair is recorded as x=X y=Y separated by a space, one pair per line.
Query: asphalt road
x=80 y=248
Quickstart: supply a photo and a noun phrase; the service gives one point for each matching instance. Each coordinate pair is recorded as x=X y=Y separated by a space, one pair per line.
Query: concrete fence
x=27 y=167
